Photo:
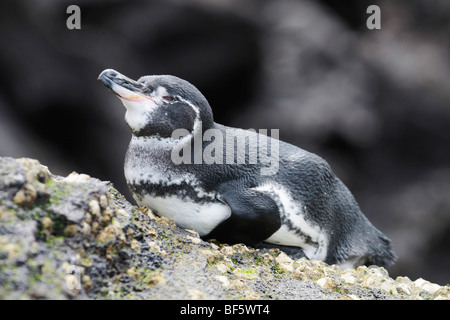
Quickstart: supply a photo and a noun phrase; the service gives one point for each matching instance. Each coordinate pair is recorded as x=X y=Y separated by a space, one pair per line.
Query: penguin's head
x=158 y=105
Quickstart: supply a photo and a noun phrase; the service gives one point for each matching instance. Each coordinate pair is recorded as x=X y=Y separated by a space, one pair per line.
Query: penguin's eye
x=169 y=98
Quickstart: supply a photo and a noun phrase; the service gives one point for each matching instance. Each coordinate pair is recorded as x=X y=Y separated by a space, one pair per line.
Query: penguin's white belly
x=203 y=217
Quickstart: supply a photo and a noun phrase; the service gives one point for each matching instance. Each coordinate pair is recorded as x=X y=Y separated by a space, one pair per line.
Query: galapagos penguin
x=211 y=178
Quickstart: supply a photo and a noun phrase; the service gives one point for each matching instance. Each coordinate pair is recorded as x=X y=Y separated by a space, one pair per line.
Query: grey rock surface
x=77 y=237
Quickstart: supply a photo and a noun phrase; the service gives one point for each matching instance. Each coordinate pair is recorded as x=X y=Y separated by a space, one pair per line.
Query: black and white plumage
x=303 y=206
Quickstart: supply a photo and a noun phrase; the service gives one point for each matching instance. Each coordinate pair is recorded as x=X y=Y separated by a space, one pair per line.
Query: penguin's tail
x=380 y=250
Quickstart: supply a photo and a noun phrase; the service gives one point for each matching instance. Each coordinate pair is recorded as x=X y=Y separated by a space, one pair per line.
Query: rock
x=349 y=276
x=156 y=279
x=306 y=269
x=327 y=283
x=246 y=273
x=26 y=195
x=224 y=281
x=284 y=262
x=403 y=289
x=78 y=238
x=427 y=285
x=443 y=292
x=87 y=283
x=70 y=230
x=222 y=267
x=135 y=245
x=195 y=240
x=226 y=250
x=196 y=294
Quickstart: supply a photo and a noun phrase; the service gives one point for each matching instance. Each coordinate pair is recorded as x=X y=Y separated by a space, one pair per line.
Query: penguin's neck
x=147 y=156
x=150 y=161
x=180 y=138
x=155 y=151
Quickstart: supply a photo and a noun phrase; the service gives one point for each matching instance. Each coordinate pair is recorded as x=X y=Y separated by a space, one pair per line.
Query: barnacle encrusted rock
x=76 y=237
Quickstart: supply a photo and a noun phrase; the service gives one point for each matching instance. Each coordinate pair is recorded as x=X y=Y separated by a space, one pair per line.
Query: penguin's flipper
x=254 y=216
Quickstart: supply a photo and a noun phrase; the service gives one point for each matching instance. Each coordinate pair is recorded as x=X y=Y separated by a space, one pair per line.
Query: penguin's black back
x=324 y=197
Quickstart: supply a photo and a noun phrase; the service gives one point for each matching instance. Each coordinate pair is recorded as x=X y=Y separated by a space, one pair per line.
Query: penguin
x=183 y=165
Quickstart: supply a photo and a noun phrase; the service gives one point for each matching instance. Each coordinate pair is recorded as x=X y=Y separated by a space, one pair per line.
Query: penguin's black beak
x=121 y=85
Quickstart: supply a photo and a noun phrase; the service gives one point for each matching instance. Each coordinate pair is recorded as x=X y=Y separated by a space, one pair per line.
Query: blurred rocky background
x=374 y=103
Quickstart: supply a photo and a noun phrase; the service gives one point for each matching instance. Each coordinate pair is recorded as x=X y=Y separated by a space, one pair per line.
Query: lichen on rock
x=77 y=237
